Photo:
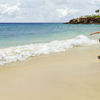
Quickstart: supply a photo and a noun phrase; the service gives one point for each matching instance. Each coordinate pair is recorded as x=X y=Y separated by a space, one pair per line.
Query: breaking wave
x=18 y=53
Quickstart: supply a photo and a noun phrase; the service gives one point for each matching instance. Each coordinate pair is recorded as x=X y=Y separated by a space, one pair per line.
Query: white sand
x=71 y=75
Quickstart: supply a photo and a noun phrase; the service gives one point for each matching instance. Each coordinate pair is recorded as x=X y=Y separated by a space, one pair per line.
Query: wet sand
x=70 y=75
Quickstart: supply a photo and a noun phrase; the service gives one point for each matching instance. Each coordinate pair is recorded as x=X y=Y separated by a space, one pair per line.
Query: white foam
x=13 y=54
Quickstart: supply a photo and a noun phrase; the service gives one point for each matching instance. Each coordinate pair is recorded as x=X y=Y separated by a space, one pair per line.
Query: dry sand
x=70 y=75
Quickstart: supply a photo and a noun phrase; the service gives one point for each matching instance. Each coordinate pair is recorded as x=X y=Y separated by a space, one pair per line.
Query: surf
x=19 y=53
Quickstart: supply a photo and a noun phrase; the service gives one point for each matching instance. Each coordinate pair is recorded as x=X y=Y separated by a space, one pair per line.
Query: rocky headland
x=85 y=20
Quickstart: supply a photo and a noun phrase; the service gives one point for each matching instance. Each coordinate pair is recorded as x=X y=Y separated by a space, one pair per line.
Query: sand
x=70 y=75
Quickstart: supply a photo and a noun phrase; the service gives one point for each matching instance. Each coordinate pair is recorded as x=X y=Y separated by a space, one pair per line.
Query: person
x=99 y=39
x=95 y=33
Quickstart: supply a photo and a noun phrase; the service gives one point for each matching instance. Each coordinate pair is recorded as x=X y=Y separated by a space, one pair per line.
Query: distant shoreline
x=85 y=20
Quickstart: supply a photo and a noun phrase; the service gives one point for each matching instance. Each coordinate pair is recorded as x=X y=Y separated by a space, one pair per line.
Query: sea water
x=19 y=41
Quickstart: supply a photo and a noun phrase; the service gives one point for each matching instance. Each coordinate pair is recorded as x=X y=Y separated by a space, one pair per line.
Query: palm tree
x=97 y=11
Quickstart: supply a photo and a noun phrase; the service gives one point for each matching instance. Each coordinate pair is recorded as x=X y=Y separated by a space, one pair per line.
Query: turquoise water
x=21 y=34
x=21 y=41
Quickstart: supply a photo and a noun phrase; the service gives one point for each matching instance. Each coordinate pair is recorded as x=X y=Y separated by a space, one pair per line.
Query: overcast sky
x=45 y=10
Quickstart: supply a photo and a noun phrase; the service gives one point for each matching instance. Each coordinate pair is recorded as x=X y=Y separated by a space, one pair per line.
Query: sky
x=45 y=10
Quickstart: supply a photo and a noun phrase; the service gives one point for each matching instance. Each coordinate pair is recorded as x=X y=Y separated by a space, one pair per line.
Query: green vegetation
x=97 y=11
x=88 y=19
x=92 y=16
x=97 y=15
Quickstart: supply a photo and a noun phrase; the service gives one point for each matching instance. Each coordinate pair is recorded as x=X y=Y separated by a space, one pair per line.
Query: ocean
x=18 y=41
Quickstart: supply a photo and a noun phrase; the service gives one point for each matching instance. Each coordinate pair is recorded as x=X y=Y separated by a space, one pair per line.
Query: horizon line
x=32 y=22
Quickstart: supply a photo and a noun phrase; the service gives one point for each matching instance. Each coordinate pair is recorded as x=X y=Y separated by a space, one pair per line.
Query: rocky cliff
x=88 y=20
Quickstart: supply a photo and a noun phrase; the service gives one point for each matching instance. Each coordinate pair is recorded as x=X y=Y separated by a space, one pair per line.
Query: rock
x=88 y=20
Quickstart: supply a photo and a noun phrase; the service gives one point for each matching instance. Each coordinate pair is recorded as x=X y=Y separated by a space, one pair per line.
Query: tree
x=97 y=11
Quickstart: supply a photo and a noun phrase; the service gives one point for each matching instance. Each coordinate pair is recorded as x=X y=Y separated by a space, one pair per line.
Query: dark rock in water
x=90 y=20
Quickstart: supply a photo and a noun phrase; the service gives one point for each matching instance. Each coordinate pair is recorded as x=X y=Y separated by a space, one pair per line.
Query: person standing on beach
x=95 y=33
x=99 y=39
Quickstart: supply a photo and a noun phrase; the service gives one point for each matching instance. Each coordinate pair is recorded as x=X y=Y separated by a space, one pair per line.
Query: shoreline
x=19 y=53
x=72 y=75
x=70 y=52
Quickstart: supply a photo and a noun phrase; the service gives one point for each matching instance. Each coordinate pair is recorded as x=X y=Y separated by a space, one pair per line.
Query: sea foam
x=19 y=53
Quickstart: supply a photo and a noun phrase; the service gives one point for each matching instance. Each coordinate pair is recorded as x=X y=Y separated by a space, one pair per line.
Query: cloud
x=9 y=10
x=62 y=12
x=73 y=11
x=65 y=11
x=95 y=0
x=46 y=10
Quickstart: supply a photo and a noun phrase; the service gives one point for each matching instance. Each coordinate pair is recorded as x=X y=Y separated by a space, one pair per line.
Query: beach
x=69 y=75
x=49 y=50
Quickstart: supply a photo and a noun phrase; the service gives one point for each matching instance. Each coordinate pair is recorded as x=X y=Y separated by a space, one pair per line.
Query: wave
x=19 y=53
